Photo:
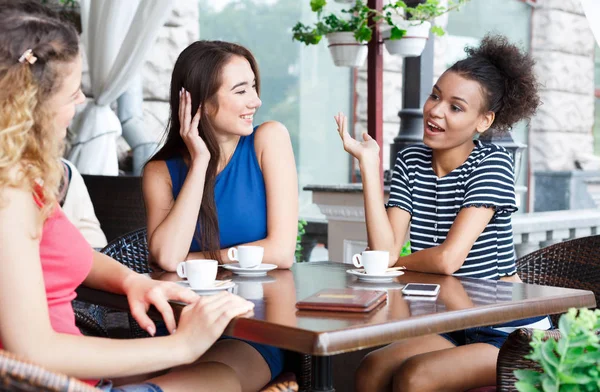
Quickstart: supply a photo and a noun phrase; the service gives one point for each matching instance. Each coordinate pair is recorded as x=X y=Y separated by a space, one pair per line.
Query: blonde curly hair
x=29 y=153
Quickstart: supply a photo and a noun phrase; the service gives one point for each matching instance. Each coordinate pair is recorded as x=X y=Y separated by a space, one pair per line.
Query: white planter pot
x=345 y=50
x=413 y=43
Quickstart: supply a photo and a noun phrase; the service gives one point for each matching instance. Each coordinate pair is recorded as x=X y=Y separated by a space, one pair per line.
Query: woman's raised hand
x=201 y=323
x=367 y=149
x=189 y=129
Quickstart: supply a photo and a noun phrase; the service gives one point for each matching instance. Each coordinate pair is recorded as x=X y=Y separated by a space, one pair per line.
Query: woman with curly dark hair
x=457 y=195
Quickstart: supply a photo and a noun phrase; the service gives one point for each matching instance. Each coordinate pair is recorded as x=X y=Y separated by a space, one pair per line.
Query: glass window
x=596 y=129
x=300 y=87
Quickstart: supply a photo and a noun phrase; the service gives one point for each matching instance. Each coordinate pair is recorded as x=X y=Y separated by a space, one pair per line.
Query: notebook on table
x=343 y=300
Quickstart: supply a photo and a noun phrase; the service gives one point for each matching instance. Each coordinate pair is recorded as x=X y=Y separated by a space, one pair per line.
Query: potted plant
x=405 y=29
x=569 y=364
x=347 y=34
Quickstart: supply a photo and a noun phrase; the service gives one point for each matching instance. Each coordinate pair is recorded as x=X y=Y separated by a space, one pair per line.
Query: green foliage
x=356 y=19
x=301 y=232
x=572 y=363
x=405 y=249
x=64 y=3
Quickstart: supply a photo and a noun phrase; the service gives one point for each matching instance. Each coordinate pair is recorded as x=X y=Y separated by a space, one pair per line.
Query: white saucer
x=207 y=290
x=385 y=277
x=260 y=270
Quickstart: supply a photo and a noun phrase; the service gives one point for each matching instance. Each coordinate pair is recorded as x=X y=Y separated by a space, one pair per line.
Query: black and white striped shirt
x=486 y=179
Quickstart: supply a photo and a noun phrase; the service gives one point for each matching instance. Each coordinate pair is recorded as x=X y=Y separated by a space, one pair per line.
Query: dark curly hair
x=507 y=78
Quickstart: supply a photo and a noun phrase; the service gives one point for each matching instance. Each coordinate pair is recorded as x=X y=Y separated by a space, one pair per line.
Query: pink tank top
x=66 y=261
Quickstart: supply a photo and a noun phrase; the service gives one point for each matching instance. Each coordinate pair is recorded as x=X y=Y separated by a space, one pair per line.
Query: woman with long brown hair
x=43 y=257
x=220 y=182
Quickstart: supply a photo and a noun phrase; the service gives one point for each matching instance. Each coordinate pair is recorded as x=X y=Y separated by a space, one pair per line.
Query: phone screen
x=421 y=287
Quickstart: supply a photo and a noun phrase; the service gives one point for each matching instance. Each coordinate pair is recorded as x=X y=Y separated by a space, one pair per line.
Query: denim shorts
x=107 y=386
x=273 y=356
x=496 y=334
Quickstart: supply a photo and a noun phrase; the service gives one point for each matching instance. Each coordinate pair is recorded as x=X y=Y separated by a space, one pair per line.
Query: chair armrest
x=512 y=357
x=20 y=375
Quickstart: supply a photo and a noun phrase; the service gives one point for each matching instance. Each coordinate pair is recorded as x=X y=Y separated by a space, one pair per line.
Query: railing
x=531 y=231
x=540 y=229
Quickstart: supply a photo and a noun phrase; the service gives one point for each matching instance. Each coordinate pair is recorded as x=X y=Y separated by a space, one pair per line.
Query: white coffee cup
x=247 y=256
x=375 y=262
x=199 y=273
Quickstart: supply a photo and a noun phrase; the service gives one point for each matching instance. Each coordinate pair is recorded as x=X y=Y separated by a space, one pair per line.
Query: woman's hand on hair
x=189 y=129
x=367 y=150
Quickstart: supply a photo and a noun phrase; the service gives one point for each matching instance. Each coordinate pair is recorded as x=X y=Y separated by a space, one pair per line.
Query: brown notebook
x=343 y=300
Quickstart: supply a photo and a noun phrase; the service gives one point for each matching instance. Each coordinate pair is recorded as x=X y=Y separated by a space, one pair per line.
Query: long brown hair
x=199 y=69
x=26 y=125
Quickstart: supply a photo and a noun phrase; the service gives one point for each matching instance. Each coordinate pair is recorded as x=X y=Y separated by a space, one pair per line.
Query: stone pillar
x=180 y=30
x=563 y=47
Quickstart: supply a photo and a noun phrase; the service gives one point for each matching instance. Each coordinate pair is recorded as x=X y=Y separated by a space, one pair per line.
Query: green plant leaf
x=317 y=5
x=523 y=386
x=438 y=30
x=529 y=376
x=363 y=34
x=550 y=385
x=397 y=33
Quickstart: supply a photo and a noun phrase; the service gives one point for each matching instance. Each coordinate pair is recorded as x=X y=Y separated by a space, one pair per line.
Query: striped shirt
x=485 y=179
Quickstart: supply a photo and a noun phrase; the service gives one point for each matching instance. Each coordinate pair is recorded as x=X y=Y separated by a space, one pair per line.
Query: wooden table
x=461 y=303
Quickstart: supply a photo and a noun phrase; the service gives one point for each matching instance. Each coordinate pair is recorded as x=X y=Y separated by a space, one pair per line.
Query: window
x=300 y=87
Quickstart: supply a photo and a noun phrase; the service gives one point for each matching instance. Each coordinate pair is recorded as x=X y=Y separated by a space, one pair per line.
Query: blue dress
x=241 y=201
x=239 y=194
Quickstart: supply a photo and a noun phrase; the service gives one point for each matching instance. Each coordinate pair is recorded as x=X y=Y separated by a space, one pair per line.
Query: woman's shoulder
x=270 y=134
x=414 y=154
x=486 y=152
x=269 y=130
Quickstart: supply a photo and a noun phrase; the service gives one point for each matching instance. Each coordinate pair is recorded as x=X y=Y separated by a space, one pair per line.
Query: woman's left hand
x=142 y=292
x=367 y=150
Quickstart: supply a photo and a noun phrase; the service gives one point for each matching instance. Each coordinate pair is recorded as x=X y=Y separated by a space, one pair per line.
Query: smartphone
x=426 y=289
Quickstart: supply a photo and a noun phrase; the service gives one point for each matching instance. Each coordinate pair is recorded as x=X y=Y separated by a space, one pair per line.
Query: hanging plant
x=398 y=21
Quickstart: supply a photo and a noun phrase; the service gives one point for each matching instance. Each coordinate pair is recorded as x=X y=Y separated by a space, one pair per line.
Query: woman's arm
x=276 y=159
x=386 y=230
x=25 y=327
x=172 y=223
x=450 y=255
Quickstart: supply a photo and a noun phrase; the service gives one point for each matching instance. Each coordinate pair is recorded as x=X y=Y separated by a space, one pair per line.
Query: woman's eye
x=433 y=97
x=254 y=87
x=241 y=92
x=456 y=108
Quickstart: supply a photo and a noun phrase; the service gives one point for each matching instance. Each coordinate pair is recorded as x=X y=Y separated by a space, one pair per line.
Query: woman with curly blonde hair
x=43 y=257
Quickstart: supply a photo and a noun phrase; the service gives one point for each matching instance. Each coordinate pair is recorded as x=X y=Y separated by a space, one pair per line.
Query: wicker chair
x=131 y=250
x=573 y=264
x=118 y=203
x=18 y=375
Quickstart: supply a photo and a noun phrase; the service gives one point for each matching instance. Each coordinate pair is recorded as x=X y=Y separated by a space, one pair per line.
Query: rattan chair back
x=574 y=264
x=131 y=250
x=118 y=203
x=19 y=375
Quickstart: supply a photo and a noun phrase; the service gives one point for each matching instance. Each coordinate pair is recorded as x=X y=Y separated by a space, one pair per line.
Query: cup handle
x=232 y=253
x=357 y=260
x=181 y=270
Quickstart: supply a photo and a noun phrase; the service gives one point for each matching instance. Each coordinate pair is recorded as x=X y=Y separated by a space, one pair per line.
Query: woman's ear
x=485 y=121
